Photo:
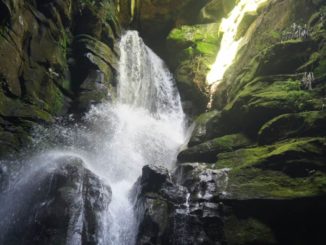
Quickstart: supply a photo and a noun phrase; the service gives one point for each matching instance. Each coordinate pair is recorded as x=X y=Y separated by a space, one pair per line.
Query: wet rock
x=64 y=203
x=207 y=151
x=190 y=50
x=204 y=184
x=201 y=130
x=154 y=177
x=155 y=197
x=169 y=216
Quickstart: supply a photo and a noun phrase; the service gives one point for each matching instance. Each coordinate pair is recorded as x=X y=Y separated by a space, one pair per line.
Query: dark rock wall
x=265 y=130
x=51 y=52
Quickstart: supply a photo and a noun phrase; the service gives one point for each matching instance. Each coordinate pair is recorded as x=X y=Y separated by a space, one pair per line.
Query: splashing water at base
x=145 y=125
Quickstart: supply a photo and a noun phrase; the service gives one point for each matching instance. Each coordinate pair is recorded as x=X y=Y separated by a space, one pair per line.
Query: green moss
x=206 y=48
x=265 y=98
x=275 y=34
x=202 y=39
x=260 y=155
x=191 y=52
x=207 y=151
x=64 y=43
x=256 y=183
x=289 y=169
x=207 y=33
x=57 y=101
x=15 y=108
x=311 y=123
x=230 y=142
x=321 y=69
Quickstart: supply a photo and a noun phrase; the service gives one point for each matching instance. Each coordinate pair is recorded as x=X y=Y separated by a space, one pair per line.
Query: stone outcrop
x=62 y=205
x=50 y=50
x=170 y=214
x=265 y=130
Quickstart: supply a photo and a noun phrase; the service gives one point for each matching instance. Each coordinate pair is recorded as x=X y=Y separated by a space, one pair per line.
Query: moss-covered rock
x=201 y=127
x=37 y=69
x=264 y=42
x=265 y=98
x=293 y=125
x=207 y=151
x=289 y=169
x=201 y=39
x=192 y=49
x=94 y=71
x=262 y=95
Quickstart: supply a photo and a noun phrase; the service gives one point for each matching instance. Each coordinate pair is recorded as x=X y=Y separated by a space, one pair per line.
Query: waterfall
x=148 y=127
x=144 y=125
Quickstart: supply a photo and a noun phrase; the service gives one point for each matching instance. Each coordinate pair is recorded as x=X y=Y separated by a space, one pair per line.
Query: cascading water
x=145 y=125
x=149 y=127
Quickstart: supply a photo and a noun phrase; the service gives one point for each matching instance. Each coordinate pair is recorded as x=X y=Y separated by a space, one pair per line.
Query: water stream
x=144 y=125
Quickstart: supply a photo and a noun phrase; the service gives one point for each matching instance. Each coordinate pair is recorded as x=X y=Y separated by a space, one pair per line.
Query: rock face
x=44 y=46
x=169 y=214
x=262 y=144
x=191 y=49
x=155 y=19
x=65 y=205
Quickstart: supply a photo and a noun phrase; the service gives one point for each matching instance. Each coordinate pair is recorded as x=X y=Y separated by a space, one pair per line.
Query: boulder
x=167 y=214
x=59 y=204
